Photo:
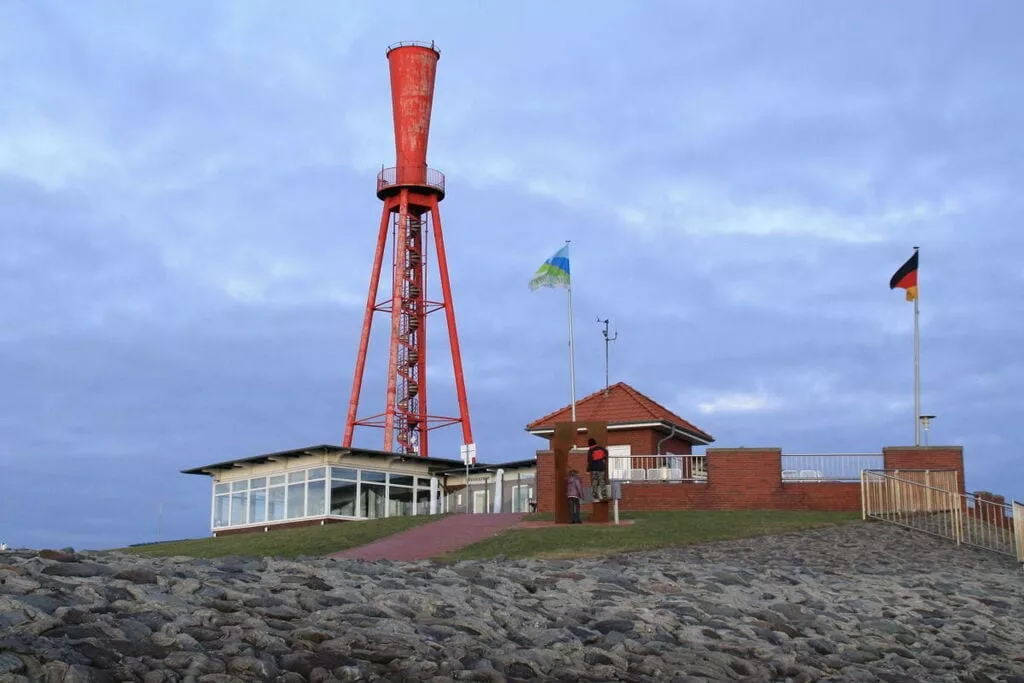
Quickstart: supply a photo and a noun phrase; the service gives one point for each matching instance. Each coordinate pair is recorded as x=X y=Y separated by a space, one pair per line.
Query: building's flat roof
x=435 y=464
x=487 y=467
x=322 y=449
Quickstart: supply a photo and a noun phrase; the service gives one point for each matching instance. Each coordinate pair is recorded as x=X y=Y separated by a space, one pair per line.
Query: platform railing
x=514 y=492
x=658 y=468
x=803 y=467
x=413 y=43
x=414 y=176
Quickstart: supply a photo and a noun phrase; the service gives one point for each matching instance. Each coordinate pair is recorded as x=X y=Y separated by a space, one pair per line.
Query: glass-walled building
x=328 y=484
x=344 y=492
x=322 y=484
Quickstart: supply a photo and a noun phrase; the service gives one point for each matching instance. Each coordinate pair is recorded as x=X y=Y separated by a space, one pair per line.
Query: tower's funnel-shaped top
x=413 y=67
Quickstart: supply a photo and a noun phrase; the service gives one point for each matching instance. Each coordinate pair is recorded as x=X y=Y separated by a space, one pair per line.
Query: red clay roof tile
x=623 y=404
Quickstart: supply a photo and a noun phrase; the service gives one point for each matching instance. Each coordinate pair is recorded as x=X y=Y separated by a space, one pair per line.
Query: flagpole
x=917 y=360
x=572 y=358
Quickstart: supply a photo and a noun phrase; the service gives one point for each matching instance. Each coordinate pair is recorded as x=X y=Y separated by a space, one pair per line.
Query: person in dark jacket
x=574 y=491
x=597 y=465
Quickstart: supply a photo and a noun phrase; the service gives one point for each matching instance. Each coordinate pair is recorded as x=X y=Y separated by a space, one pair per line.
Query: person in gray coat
x=574 y=490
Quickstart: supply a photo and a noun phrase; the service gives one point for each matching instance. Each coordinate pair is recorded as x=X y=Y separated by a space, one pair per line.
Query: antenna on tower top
x=607 y=340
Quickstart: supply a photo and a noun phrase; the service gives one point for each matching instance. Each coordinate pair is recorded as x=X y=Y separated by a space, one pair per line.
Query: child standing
x=574 y=490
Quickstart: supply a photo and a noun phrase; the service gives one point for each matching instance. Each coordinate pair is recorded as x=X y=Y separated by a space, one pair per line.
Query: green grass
x=650 y=530
x=289 y=543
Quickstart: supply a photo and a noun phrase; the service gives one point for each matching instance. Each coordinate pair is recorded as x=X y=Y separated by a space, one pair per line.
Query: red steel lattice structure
x=411 y=193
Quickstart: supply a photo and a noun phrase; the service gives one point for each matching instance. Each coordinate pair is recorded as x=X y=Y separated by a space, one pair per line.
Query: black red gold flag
x=906 y=278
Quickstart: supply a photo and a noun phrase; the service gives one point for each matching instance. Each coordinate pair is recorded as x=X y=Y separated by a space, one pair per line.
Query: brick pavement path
x=433 y=538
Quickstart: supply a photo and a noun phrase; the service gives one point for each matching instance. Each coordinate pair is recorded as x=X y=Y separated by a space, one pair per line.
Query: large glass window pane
x=294 y=477
x=316 y=498
x=370 y=475
x=257 y=506
x=240 y=485
x=401 y=480
x=318 y=473
x=344 y=473
x=239 y=505
x=423 y=482
x=521 y=496
x=400 y=500
x=221 y=488
x=422 y=501
x=372 y=501
x=343 y=498
x=275 y=504
x=277 y=480
x=258 y=483
x=296 y=500
x=221 y=508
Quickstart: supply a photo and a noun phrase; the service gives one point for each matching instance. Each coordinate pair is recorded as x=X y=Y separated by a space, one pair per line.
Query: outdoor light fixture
x=925 y=424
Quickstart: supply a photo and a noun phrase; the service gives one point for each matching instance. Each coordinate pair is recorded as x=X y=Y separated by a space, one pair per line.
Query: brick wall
x=827 y=496
x=745 y=479
x=927 y=458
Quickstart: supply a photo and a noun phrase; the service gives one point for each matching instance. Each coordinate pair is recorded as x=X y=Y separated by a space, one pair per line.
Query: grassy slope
x=290 y=543
x=650 y=530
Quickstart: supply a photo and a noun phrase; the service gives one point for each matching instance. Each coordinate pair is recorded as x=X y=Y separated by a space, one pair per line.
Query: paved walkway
x=433 y=538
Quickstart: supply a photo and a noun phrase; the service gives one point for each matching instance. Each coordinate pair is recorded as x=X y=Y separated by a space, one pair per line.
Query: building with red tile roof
x=633 y=419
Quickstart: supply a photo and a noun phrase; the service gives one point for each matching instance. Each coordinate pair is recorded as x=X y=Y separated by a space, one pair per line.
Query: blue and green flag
x=554 y=272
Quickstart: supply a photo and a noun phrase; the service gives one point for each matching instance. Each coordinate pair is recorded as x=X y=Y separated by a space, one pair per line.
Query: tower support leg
x=364 y=337
x=449 y=314
x=423 y=425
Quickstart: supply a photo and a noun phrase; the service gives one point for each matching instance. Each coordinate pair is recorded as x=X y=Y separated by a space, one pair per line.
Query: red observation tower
x=411 y=193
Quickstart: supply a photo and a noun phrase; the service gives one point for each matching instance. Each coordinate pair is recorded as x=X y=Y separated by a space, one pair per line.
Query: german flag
x=906 y=277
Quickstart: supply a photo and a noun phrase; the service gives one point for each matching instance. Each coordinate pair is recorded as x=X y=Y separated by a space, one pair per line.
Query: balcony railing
x=410 y=176
x=658 y=468
x=829 y=466
x=832 y=467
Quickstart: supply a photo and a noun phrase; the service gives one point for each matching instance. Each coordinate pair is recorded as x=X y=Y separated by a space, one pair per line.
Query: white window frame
x=433 y=487
x=526 y=501
x=615 y=452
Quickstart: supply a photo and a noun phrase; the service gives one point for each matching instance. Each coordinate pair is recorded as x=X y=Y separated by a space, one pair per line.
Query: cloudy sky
x=187 y=220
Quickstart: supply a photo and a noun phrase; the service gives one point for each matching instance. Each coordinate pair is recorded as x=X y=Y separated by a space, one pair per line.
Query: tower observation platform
x=423 y=180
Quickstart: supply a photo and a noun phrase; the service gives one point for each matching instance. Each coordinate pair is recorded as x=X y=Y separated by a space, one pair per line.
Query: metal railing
x=516 y=493
x=413 y=43
x=1018 y=529
x=658 y=468
x=930 y=501
x=829 y=466
x=419 y=176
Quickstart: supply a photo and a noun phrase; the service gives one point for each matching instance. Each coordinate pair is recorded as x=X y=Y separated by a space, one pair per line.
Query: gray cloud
x=188 y=217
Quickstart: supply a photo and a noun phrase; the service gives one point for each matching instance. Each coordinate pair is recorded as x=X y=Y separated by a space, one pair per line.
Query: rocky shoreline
x=862 y=602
